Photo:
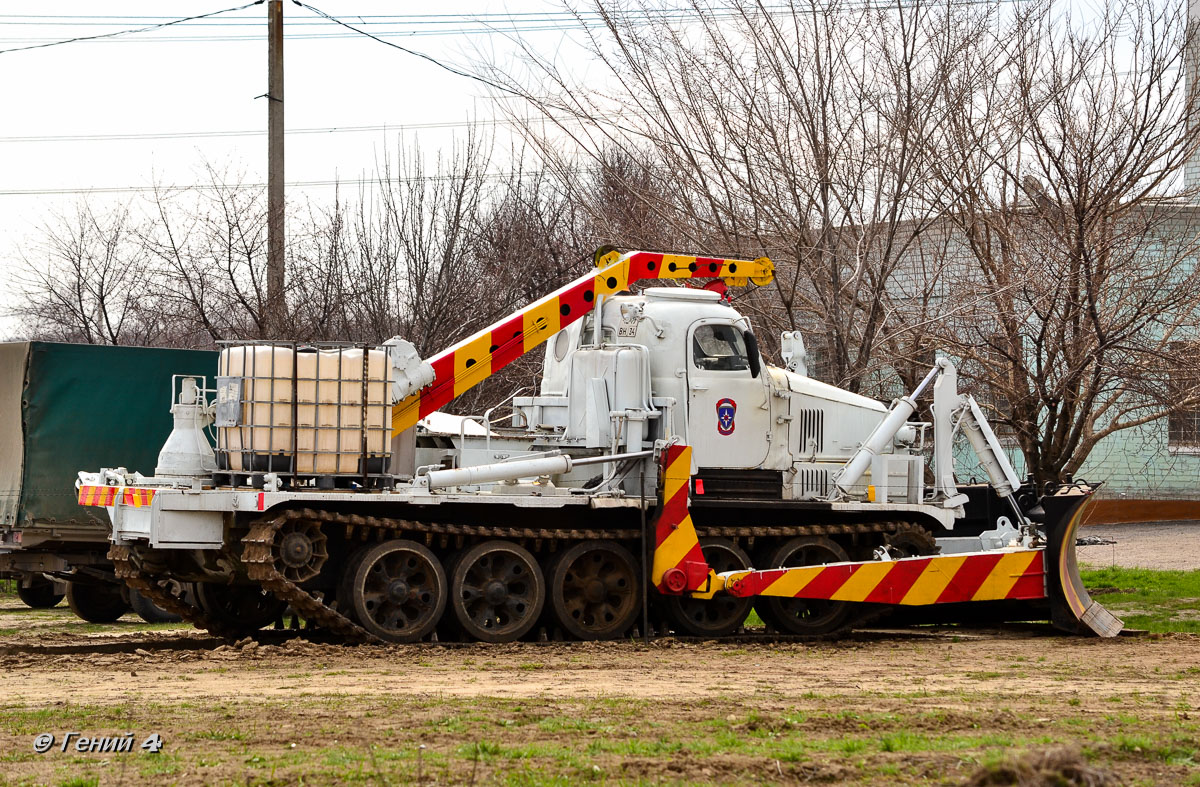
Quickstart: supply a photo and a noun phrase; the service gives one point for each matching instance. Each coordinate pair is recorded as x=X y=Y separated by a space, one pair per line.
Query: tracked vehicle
x=661 y=474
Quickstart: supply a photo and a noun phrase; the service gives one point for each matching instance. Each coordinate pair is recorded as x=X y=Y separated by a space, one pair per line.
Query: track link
x=127 y=569
x=259 y=560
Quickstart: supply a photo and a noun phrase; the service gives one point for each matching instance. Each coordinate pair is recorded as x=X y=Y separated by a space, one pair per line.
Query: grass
x=901 y=735
x=1158 y=601
x=541 y=741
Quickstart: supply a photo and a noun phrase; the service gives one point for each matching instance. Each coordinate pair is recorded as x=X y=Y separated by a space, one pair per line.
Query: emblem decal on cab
x=726 y=409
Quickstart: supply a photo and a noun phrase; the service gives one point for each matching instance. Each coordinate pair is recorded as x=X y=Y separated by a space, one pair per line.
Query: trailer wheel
x=497 y=591
x=399 y=591
x=96 y=602
x=148 y=611
x=244 y=608
x=595 y=590
x=723 y=614
x=40 y=594
x=804 y=616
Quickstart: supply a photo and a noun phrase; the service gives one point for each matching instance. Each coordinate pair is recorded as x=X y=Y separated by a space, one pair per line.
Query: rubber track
x=259 y=557
x=126 y=569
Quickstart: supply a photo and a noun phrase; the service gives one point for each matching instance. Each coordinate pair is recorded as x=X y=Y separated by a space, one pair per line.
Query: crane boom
x=474 y=359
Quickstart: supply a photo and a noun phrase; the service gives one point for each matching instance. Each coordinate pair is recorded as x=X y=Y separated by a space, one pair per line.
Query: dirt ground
x=940 y=706
x=934 y=706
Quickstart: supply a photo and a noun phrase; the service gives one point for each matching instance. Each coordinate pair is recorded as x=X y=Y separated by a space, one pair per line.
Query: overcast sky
x=172 y=91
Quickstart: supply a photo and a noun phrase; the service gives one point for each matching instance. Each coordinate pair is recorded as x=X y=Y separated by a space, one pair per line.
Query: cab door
x=728 y=408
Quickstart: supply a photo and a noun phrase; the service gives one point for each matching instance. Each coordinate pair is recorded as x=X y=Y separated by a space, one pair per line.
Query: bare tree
x=803 y=130
x=89 y=281
x=430 y=219
x=1075 y=270
x=209 y=244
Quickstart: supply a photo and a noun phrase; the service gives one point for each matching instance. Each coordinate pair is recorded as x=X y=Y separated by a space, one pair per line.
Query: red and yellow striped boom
x=478 y=357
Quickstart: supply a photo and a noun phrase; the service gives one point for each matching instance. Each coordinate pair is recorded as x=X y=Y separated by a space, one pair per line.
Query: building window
x=1183 y=429
x=1183 y=383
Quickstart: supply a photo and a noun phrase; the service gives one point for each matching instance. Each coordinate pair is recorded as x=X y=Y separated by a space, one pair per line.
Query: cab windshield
x=719 y=348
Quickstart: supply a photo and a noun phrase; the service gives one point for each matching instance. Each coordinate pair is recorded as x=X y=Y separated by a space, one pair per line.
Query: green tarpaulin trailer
x=71 y=407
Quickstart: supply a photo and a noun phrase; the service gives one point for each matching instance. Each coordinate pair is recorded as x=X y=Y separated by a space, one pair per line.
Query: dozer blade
x=1015 y=574
x=1071 y=608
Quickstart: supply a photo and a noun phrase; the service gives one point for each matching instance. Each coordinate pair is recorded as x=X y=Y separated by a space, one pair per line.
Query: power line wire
x=178 y=39
x=206 y=187
x=367 y=19
x=422 y=55
x=491 y=176
x=260 y=132
x=531 y=22
x=132 y=31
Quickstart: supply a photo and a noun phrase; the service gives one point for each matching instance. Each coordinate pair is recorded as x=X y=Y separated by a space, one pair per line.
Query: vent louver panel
x=811 y=423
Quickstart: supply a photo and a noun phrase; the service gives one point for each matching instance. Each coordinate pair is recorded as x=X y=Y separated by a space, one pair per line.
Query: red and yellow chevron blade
x=918 y=581
x=678 y=563
x=478 y=357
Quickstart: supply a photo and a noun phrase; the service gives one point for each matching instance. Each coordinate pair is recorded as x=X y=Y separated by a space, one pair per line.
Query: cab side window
x=719 y=348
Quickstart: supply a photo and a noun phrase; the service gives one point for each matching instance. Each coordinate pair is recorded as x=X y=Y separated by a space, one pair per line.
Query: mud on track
x=877 y=707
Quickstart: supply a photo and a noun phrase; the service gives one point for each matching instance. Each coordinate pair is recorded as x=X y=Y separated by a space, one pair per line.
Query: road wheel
x=399 y=591
x=345 y=589
x=804 y=616
x=911 y=540
x=595 y=590
x=497 y=591
x=98 y=602
x=723 y=614
x=40 y=594
x=243 y=608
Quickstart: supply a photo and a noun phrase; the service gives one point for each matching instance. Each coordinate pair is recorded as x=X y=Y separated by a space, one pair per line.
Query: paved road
x=1157 y=545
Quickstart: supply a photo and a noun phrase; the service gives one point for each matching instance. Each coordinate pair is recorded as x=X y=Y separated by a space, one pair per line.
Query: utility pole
x=276 y=305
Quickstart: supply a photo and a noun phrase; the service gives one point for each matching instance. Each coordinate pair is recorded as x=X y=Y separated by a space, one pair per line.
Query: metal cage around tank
x=316 y=413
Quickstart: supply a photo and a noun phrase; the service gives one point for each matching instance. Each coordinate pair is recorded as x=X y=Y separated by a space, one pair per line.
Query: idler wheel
x=911 y=541
x=398 y=590
x=299 y=549
x=595 y=590
x=497 y=591
x=723 y=614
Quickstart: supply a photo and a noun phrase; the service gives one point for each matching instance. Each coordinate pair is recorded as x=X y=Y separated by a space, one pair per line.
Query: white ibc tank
x=262 y=440
x=343 y=410
x=308 y=411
